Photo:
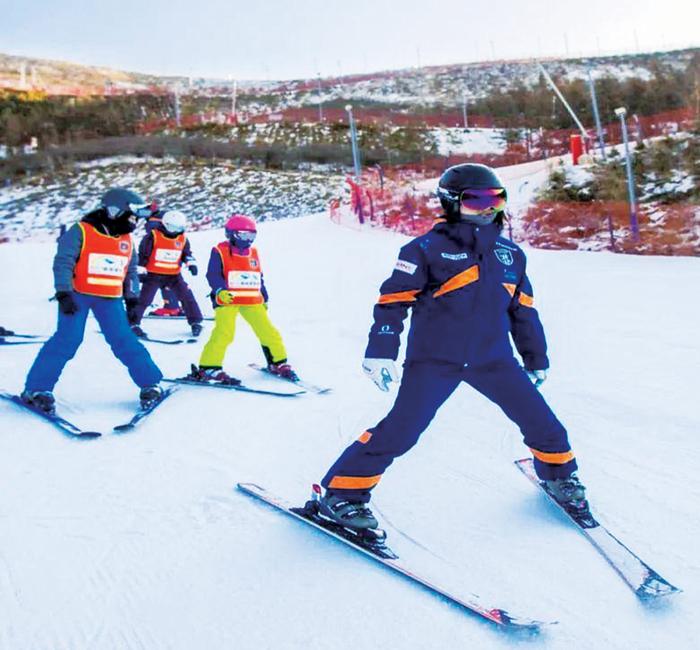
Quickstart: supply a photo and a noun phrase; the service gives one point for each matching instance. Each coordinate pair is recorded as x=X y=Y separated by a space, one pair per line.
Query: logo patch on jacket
x=178 y=244
x=457 y=256
x=504 y=256
x=406 y=267
x=123 y=246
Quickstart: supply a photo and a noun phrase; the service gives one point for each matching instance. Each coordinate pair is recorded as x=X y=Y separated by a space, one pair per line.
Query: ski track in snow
x=139 y=541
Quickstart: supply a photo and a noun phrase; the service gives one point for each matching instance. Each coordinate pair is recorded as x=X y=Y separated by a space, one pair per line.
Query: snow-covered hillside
x=207 y=191
x=139 y=541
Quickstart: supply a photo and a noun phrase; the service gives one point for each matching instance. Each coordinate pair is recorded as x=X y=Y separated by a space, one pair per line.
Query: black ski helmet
x=458 y=178
x=118 y=202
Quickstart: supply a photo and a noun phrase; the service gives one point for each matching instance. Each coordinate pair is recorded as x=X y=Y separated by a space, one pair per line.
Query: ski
x=240 y=387
x=307 y=386
x=148 y=339
x=154 y=317
x=641 y=578
x=21 y=336
x=380 y=553
x=4 y=341
x=67 y=428
x=141 y=414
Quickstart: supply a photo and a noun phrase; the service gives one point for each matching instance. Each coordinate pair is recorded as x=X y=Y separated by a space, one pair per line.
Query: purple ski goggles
x=482 y=201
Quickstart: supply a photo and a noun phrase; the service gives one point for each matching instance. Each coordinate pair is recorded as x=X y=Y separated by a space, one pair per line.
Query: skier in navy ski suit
x=468 y=289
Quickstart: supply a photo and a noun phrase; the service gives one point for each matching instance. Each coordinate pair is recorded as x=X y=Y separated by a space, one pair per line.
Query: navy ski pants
x=181 y=290
x=424 y=388
x=62 y=346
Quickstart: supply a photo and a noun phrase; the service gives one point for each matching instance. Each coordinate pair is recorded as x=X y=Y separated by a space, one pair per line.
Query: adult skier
x=95 y=270
x=237 y=286
x=469 y=291
x=162 y=253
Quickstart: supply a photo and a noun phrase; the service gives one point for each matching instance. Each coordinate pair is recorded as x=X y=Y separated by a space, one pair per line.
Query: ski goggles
x=138 y=210
x=247 y=236
x=482 y=201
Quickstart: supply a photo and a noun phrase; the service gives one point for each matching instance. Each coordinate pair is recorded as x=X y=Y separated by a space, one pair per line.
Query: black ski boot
x=5 y=332
x=40 y=399
x=196 y=329
x=570 y=493
x=350 y=514
x=150 y=395
x=136 y=329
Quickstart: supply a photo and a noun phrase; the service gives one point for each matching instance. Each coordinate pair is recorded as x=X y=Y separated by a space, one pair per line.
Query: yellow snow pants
x=225 y=329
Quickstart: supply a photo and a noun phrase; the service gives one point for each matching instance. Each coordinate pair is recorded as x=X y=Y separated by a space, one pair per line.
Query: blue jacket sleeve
x=396 y=296
x=263 y=288
x=70 y=244
x=132 y=286
x=215 y=272
x=526 y=327
x=187 y=254
x=145 y=248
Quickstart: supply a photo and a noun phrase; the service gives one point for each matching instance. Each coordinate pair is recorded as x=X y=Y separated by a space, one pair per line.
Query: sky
x=283 y=39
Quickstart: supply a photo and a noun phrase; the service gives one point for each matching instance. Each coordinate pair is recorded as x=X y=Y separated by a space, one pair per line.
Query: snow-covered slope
x=139 y=541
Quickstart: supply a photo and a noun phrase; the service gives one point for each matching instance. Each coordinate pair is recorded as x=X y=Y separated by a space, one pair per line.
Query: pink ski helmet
x=241 y=230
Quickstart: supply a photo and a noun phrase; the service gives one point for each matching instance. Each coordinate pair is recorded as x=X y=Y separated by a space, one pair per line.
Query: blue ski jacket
x=469 y=293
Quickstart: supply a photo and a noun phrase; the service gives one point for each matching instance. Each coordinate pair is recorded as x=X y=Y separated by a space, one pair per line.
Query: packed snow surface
x=140 y=541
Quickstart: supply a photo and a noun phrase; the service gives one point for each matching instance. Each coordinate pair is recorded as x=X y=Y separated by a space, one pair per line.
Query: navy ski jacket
x=469 y=291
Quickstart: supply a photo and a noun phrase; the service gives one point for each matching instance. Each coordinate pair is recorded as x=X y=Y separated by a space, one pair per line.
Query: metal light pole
x=353 y=139
x=464 y=110
x=320 y=99
x=177 y=105
x=234 y=97
x=596 y=115
x=621 y=113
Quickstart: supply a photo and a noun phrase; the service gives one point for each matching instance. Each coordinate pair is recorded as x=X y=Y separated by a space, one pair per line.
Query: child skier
x=95 y=270
x=162 y=252
x=171 y=305
x=469 y=291
x=236 y=280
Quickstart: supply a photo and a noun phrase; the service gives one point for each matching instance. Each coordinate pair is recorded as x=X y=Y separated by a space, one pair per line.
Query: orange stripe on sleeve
x=458 y=281
x=401 y=296
x=365 y=437
x=510 y=288
x=354 y=482
x=527 y=301
x=554 y=458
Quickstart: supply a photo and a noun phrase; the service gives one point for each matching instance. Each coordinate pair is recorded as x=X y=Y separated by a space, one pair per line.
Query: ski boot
x=349 y=514
x=351 y=520
x=150 y=395
x=167 y=311
x=196 y=329
x=282 y=369
x=570 y=494
x=211 y=375
x=43 y=400
x=5 y=332
x=136 y=329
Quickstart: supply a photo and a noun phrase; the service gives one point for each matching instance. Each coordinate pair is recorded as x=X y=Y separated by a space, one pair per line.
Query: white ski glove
x=381 y=371
x=537 y=377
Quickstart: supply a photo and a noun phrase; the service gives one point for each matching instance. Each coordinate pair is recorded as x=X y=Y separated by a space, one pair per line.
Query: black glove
x=193 y=269
x=131 y=305
x=66 y=302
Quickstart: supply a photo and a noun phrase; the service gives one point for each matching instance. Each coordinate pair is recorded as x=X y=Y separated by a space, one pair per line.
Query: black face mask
x=122 y=225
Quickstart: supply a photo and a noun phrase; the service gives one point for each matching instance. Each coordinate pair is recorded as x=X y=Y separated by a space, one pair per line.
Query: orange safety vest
x=242 y=273
x=103 y=263
x=166 y=254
